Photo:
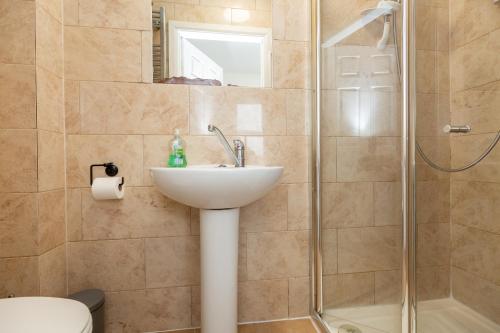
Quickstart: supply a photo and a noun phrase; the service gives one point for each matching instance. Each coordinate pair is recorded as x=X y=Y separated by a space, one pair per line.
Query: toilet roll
x=107 y=188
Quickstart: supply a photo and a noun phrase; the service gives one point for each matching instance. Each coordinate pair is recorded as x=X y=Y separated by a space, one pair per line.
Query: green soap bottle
x=177 y=154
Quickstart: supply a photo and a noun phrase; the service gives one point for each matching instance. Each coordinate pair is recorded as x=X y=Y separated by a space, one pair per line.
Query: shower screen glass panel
x=360 y=135
x=458 y=225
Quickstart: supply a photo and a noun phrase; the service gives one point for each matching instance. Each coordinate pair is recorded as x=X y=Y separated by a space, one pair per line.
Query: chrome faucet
x=237 y=154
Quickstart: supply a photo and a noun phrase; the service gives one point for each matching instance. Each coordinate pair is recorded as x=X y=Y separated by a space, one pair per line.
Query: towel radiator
x=160 y=62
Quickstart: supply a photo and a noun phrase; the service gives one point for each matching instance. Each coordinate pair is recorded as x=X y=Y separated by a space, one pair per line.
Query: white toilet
x=44 y=315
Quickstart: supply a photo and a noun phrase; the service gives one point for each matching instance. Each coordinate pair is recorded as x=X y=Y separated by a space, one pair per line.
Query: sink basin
x=214 y=187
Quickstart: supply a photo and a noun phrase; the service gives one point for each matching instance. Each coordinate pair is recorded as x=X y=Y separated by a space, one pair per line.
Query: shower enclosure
x=406 y=192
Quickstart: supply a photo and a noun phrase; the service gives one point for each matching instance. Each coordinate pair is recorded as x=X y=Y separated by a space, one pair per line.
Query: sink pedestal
x=219 y=231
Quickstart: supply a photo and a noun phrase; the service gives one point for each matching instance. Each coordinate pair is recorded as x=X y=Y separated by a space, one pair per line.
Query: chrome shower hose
x=465 y=167
x=419 y=149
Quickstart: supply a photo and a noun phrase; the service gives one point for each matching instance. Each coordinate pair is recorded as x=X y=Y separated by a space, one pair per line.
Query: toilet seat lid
x=44 y=315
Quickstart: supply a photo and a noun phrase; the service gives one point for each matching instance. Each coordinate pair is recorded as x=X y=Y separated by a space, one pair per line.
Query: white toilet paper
x=107 y=188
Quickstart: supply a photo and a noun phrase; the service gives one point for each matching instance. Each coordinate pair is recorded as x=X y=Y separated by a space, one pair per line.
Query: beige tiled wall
x=32 y=181
x=433 y=112
x=475 y=100
x=144 y=250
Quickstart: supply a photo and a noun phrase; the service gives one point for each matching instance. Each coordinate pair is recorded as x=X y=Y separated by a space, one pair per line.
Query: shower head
x=389 y=5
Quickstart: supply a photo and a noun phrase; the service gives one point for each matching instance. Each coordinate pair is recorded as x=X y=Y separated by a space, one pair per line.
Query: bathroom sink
x=219 y=192
x=216 y=187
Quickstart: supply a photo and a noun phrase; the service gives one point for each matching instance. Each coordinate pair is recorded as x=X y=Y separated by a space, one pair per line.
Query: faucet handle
x=238 y=143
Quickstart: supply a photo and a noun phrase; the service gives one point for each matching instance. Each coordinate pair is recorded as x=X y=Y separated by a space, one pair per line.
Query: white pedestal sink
x=219 y=192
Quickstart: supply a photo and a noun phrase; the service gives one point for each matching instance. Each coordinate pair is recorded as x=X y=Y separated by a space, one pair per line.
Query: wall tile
x=52 y=7
x=479 y=18
x=50 y=160
x=433 y=244
x=387 y=203
x=195 y=306
x=369 y=249
x=368 y=159
x=432 y=114
x=433 y=282
x=243 y=4
x=388 y=287
x=426 y=27
x=274 y=255
x=299 y=206
x=437 y=149
x=298 y=112
x=19 y=148
x=17 y=96
x=266 y=214
x=476 y=62
x=290 y=64
x=18 y=225
x=237 y=111
x=476 y=252
x=133 y=108
x=426 y=75
x=18 y=45
x=263 y=5
x=51 y=220
x=84 y=150
x=262 y=300
x=435 y=197
x=102 y=54
x=299 y=297
x=476 y=204
x=202 y=14
x=109 y=265
x=50 y=101
x=72 y=107
x=443 y=27
x=480 y=295
x=49 y=43
x=143 y=212
x=148 y=310
x=125 y=14
x=330 y=251
x=339 y=14
x=172 y=261
x=19 y=276
x=329 y=159
x=74 y=214
x=347 y=204
x=251 y=18
x=290 y=152
x=290 y=21
x=52 y=267
x=70 y=12
x=478 y=108
x=466 y=147
x=348 y=290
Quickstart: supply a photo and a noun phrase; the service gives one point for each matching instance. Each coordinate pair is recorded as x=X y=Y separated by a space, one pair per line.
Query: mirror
x=213 y=42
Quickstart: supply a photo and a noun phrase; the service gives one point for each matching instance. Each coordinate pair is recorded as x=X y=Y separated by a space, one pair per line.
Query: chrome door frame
x=408 y=179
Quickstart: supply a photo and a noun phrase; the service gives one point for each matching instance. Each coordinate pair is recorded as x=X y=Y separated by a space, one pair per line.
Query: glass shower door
x=360 y=139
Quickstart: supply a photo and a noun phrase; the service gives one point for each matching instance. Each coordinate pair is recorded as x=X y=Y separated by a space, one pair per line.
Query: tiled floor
x=285 y=326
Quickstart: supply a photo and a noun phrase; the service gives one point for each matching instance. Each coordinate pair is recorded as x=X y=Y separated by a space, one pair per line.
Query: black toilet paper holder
x=110 y=169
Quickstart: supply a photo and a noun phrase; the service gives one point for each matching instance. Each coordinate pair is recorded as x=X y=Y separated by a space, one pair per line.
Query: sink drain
x=349 y=329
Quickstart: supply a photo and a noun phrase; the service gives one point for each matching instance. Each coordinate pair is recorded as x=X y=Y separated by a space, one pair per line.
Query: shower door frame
x=408 y=179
